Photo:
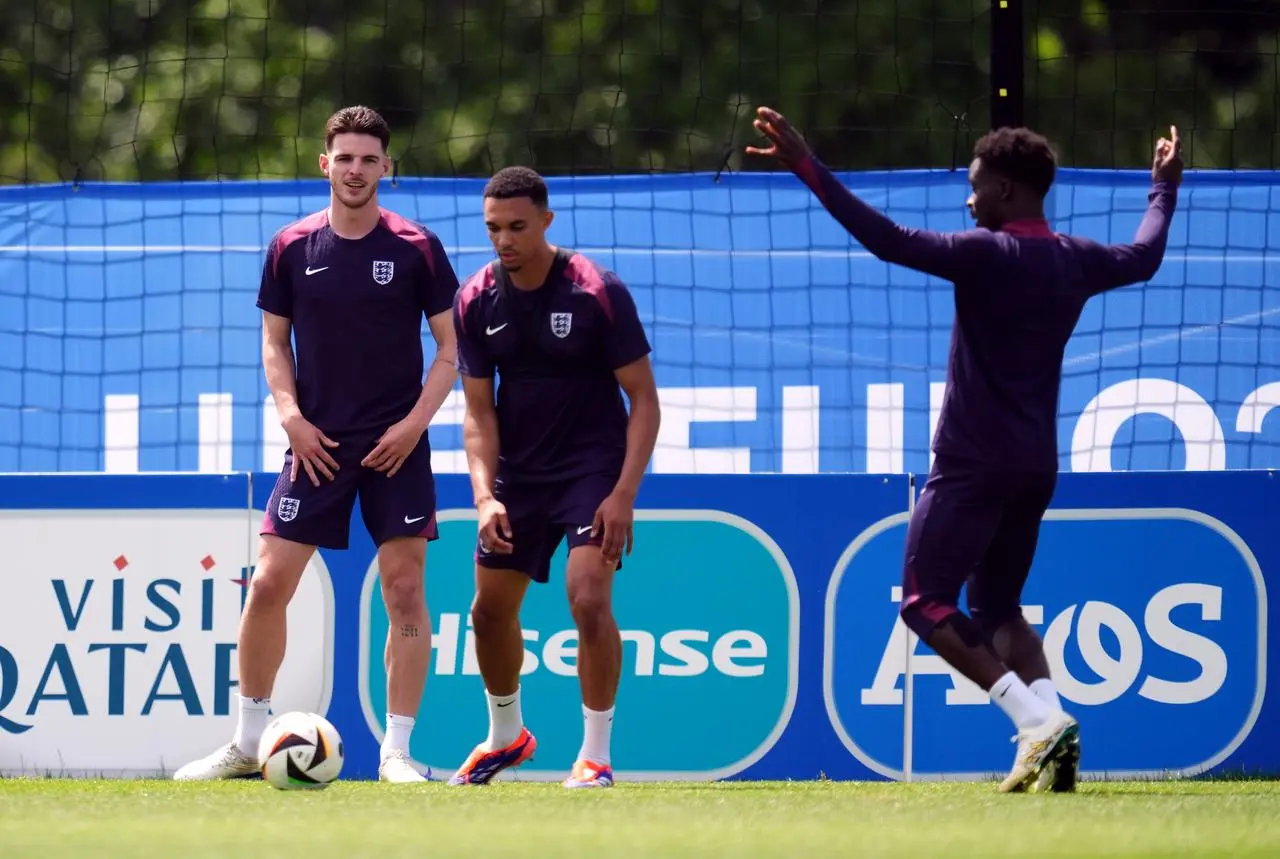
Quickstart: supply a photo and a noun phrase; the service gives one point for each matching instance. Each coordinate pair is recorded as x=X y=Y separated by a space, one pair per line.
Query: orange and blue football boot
x=483 y=765
x=588 y=774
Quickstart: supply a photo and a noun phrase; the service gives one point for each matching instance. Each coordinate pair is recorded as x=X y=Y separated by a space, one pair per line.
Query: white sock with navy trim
x=596 y=730
x=254 y=715
x=399 y=729
x=1018 y=702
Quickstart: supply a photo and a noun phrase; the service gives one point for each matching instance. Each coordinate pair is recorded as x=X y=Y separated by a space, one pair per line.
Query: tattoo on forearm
x=409 y=631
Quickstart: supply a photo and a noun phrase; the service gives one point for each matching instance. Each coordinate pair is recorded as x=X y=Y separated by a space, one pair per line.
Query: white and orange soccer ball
x=300 y=751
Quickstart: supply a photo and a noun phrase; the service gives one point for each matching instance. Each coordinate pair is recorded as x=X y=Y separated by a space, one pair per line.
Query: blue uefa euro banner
x=129 y=333
x=759 y=618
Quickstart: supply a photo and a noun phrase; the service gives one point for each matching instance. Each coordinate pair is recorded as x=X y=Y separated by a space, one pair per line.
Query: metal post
x=1006 y=63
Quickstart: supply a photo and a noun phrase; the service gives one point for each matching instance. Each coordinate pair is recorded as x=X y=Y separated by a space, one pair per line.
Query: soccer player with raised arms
x=1019 y=291
x=553 y=456
x=351 y=285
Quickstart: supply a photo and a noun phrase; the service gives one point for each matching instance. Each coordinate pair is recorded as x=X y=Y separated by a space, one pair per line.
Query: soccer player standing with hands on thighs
x=556 y=457
x=351 y=283
x=1019 y=291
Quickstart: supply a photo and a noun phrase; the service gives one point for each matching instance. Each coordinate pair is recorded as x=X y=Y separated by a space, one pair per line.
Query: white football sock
x=597 y=726
x=398 y=730
x=1043 y=689
x=254 y=714
x=505 y=720
x=1018 y=702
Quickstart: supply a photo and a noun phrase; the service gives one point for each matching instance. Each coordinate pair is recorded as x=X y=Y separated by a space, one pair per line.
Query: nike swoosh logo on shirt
x=311 y=271
x=584 y=529
x=496 y=330
x=409 y=521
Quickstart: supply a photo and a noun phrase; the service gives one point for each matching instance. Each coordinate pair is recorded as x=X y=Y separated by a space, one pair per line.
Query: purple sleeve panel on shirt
x=472 y=360
x=437 y=289
x=625 y=341
x=589 y=278
x=275 y=294
x=1112 y=266
x=439 y=283
x=945 y=255
x=412 y=233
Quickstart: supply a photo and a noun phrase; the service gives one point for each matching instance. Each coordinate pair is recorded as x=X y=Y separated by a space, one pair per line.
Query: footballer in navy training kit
x=351 y=285
x=1019 y=291
x=553 y=455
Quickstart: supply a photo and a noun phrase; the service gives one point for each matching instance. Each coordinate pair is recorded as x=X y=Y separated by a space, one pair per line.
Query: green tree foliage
x=204 y=89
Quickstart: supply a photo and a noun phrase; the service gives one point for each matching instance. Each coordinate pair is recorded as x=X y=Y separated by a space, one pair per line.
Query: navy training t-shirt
x=356 y=308
x=1019 y=292
x=561 y=412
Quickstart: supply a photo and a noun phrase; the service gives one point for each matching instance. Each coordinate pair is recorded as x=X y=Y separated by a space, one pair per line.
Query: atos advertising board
x=1154 y=623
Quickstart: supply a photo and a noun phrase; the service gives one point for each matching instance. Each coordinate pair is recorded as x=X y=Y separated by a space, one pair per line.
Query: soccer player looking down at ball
x=555 y=457
x=1019 y=291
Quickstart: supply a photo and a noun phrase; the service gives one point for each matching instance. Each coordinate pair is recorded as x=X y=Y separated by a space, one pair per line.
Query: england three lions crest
x=288 y=509
x=383 y=272
x=561 y=323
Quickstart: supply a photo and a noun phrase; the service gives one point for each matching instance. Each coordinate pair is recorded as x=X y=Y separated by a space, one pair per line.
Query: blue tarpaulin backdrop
x=743 y=283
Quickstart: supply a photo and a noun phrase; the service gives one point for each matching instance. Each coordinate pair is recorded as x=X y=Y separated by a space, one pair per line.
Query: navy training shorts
x=543 y=514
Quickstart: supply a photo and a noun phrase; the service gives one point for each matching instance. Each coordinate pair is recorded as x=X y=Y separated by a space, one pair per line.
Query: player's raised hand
x=1167 y=165
x=785 y=143
x=495 y=527
x=614 y=519
x=394 y=447
x=308 y=446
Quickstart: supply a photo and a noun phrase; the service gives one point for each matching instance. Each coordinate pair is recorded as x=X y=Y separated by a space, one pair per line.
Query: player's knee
x=404 y=594
x=276 y=576
x=923 y=615
x=589 y=604
x=489 y=616
x=991 y=620
x=269 y=591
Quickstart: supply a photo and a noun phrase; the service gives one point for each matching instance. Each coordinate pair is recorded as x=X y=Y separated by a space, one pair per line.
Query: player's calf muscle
x=262 y=637
x=1019 y=646
x=495 y=616
x=590 y=590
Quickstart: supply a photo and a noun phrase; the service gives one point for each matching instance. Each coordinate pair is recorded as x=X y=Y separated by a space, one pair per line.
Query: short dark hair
x=1020 y=154
x=357 y=119
x=511 y=182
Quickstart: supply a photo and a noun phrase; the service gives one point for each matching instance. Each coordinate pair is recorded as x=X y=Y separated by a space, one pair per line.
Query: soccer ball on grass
x=300 y=751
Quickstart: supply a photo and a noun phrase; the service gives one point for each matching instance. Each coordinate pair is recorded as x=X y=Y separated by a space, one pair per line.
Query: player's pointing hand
x=786 y=144
x=308 y=446
x=1167 y=166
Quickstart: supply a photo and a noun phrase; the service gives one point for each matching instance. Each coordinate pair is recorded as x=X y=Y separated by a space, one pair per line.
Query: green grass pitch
x=62 y=817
